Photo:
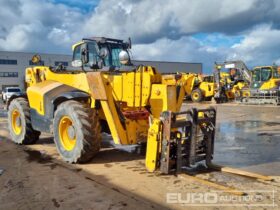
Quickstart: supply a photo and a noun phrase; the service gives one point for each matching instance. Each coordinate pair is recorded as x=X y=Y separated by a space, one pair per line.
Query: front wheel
x=197 y=95
x=77 y=132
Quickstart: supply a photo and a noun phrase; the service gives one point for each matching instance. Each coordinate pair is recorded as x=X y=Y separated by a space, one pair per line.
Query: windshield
x=276 y=73
x=262 y=74
x=13 y=90
x=113 y=57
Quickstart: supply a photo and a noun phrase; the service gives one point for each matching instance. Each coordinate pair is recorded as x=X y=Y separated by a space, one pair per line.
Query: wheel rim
x=16 y=122
x=195 y=96
x=67 y=134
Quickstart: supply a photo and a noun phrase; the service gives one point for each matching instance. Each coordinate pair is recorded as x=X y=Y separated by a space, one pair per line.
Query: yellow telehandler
x=105 y=92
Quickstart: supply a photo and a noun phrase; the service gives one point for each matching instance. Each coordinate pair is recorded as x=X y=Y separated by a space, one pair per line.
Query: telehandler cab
x=105 y=92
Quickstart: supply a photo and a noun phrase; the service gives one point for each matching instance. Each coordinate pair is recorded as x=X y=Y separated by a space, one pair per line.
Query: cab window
x=77 y=53
x=93 y=55
x=115 y=57
x=276 y=74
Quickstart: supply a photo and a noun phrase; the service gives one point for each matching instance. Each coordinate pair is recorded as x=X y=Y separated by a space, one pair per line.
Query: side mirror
x=84 y=53
x=124 y=57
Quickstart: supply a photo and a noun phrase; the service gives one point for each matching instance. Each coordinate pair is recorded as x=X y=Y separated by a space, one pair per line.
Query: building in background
x=13 y=65
x=172 y=67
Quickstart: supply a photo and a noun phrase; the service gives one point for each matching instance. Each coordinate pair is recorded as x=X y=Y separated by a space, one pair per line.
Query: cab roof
x=103 y=40
x=100 y=40
x=263 y=67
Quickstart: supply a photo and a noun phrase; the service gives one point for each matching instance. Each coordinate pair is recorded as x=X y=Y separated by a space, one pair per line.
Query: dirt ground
x=247 y=137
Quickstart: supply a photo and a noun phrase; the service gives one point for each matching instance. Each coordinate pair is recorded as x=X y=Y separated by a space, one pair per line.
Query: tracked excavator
x=104 y=92
x=264 y=88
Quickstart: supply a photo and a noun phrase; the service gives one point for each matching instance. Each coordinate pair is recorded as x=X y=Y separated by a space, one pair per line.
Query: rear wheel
x=19 y=121
x=77 y=132
x=197 y=95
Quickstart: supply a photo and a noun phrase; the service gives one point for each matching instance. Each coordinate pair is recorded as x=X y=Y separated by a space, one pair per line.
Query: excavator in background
x=105 y=92
x=225 y=84
x=264 y=88
x=229 y=83
x=231 y=80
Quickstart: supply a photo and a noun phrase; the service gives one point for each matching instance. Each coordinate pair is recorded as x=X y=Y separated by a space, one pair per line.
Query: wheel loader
x=203 y=90
x=104 y=92
x=264 y=88
x=185 y=80
x=197 y=87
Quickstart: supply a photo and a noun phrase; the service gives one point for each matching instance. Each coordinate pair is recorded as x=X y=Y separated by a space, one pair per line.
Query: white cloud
x=34 y=25
x=160 y=30
x=259 y=47
x=186 y=49
x=147 y=20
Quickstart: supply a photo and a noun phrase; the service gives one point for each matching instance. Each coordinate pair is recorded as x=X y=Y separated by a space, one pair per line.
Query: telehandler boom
x=104 y=92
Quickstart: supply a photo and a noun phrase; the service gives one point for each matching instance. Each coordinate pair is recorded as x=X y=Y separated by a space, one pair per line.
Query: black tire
x=222 y=99
x=197 y=95
x=27 y=134
x=208 y=98
x=87 y=131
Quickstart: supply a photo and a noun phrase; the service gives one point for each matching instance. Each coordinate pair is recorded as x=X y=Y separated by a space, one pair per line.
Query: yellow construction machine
x=185 y=80
x=198 y=88
x=203 y=89
x=264 y=88
x=230 y=82
x=105 y=92
x=225 y=84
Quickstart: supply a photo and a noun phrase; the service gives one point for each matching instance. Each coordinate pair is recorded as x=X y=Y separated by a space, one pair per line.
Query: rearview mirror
x=124 y=57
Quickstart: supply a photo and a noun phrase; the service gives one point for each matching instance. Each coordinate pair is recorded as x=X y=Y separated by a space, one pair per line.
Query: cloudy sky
x=187 y=30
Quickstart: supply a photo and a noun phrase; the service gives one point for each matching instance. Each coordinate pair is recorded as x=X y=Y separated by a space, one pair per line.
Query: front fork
x=181 y=139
